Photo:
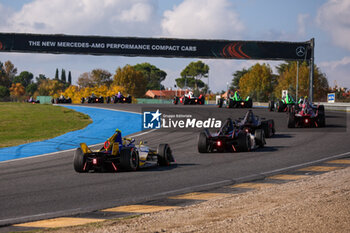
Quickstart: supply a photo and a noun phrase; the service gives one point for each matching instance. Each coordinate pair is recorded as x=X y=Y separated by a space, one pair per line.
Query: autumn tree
x=236 y=77
x=4 y=80
x=132 y=80
x=153 y=74
x=17 y=91
x=10 y=70
x=7 y=73
x=101 y=77
x=74 y=93
x=287 y=80
x=51 y=87
x=257 y=82
x=85 y=80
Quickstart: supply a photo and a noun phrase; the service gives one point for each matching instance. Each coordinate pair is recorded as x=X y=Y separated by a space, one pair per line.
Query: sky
x=328 y=21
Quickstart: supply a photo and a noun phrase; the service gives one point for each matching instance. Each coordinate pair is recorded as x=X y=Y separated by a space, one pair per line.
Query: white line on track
x=186 y=189
x=63 y=151
x=111 y=109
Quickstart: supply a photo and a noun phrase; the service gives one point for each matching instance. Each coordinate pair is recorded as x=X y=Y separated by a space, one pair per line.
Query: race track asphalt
x=48 y=186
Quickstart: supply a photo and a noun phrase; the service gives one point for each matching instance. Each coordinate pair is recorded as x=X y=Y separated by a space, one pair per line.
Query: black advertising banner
x=157 y=47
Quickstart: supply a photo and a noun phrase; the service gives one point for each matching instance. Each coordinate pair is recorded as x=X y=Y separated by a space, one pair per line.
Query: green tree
x=25 y=78
x=236 y=77
x=190 y=82
x=153 y=74
x=196 y=70
x=4 y=92
x=40 y=78
x=31 y=88
x=132 y=80
x=257 y=82
x=70 y=77
x=284 y=66
x=63 y=76
x=56 y=74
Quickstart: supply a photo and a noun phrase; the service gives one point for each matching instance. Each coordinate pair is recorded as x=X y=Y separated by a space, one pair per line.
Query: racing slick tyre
x=176 y=100
x=249 y=103
x=220 y=102
x=260 y=137
x=185 y=100
x=79 y=161
x=291 y=120
x=321 y=119
x=268 y=127
x=164 y=155
x=202 y=143
x=320 y=109
x=271 y=105
x=202 y=101
x=129 y=159
x=231 y=103
x=280 y=106
x=243 y=141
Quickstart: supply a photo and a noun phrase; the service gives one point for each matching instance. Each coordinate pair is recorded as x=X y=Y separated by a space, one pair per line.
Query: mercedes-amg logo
x=300 y=51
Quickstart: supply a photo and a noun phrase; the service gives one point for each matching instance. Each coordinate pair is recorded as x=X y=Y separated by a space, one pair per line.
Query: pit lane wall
x=328 y=106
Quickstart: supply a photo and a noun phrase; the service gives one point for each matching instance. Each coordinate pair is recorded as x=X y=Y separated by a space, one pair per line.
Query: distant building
x=164 y=94
x=224 y=95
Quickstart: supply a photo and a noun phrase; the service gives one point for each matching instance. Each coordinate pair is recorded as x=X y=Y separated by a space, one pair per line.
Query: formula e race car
x=33 y=101
x=92 y=99
x=189 y=99
x=283 y=105
x=120 y=153
x=242 y=135
x=235 y=101
x=121 y=99
x=62 y=100
x=306 y=115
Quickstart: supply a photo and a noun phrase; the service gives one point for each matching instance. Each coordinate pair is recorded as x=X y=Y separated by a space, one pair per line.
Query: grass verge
x=22 y=123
